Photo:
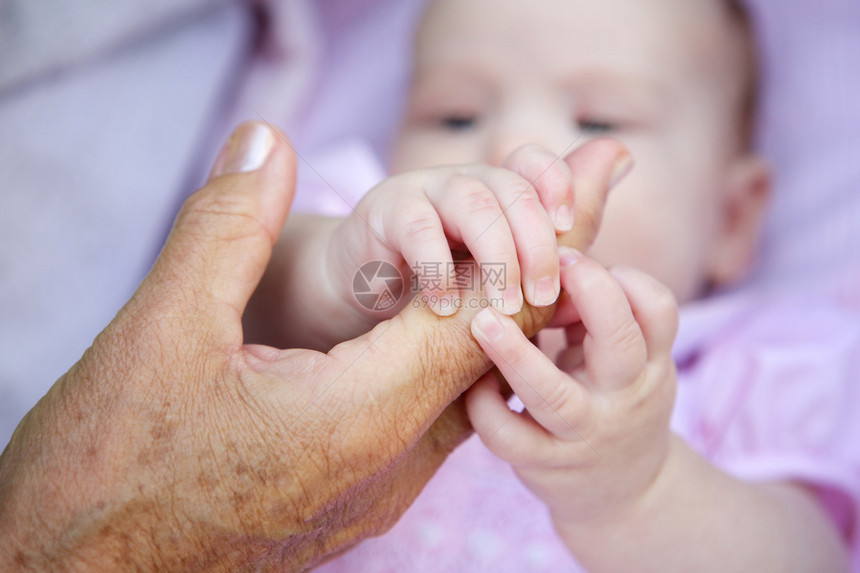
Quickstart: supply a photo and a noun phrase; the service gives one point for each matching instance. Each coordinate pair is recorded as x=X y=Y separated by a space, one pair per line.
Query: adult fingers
x=596 y=167
x=222 y=238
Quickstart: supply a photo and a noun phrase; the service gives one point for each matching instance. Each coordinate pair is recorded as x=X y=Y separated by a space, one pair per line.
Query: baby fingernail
x=511 y=300
x=568 y=256
x=623 y=166
x=487 y=325
x=563 y=218
x=545 y=291
x=446 y=305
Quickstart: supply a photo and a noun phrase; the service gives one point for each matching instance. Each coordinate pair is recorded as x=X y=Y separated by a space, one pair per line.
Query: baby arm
x=505 y=216
x=595 y=445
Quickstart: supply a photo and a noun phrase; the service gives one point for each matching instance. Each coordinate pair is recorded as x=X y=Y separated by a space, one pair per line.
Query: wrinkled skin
x=171 y=445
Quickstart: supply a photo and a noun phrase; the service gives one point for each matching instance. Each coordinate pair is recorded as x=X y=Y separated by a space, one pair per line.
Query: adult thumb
x=223 y=236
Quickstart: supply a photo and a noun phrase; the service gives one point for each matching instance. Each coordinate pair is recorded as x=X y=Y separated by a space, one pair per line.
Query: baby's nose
x=550 y=133
x=500 y=150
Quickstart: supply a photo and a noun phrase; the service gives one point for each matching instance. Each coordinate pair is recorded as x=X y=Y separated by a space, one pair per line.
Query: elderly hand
x=171 y=445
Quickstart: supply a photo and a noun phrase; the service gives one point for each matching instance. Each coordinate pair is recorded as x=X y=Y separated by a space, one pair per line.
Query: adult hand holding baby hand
x=172 y=445
x=510 y=219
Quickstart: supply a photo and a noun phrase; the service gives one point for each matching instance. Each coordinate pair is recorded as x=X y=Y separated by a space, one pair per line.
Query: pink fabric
x=767 y=391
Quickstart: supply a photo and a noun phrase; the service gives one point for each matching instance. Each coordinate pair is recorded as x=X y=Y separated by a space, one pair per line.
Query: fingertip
x=510 y=300
x=570 y=260
x=563 y=218
x=544 y=291
x=445 y=306
x=568 y=256
x=451 y=304
x=621 y=169
x=487 y=325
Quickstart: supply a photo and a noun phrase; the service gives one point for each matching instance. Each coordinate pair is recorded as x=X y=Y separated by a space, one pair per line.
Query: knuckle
x=561 y=170
x=557 y=181
x=526 y=197
x=505 y=443
x=626 y=337
x=558 y=399
x=552 y=175
x=475 y=197
x=231 y=215
x=666 y=307
x=420 y=225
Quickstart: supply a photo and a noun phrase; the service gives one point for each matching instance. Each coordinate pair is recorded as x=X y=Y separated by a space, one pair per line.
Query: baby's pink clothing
x=767 y=391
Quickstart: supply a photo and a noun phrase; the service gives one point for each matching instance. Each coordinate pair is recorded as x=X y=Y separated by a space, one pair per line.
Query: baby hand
x=506 y=217
x=595 y=432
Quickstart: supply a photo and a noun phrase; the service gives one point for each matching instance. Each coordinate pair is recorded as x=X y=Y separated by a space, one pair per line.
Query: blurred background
x=111 y=113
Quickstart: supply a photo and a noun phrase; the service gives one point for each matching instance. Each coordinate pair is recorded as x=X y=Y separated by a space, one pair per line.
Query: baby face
x=669 y=78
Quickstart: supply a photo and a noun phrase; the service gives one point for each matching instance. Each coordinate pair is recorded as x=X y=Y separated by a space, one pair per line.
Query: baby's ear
x=743 y=205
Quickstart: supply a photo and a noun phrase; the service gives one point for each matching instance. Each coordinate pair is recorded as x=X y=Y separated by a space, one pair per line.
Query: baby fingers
x=654 y=307
x=472 y=215
x=531 y=228
x=411 y=225
x=513 y=437
x=614 y=346
x=551 y=178
x=552 y=398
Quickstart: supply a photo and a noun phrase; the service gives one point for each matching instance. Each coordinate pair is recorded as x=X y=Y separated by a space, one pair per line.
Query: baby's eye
x=595 y=126
x=458 y=122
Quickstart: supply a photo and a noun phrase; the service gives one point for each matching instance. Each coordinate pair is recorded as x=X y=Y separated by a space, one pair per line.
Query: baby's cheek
x=649 y=241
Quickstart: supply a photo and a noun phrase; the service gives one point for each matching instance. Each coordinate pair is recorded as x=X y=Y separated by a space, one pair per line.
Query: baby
x=501 y=94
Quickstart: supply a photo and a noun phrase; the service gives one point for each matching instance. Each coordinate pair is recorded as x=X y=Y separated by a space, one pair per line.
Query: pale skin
x=594 y=444
x=595 y=441
x=507 y=214
x=668 y=79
